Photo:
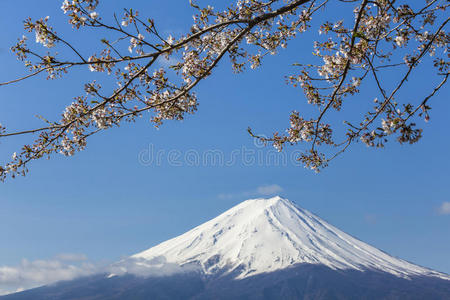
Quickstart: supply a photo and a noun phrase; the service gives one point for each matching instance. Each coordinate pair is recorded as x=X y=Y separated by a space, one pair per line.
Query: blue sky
x=106 y=202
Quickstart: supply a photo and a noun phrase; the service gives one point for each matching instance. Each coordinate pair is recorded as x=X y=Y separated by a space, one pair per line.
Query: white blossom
x=400 y=40
x=65 y=6
x=43 y=36
x=93 y=15
x=100 y=117
x=387 y=126
x=133 y=44
x=169 y=40
x=91 y=66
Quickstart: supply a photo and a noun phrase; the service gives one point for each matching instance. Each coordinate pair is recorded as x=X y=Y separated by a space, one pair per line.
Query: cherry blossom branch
x=349 y=54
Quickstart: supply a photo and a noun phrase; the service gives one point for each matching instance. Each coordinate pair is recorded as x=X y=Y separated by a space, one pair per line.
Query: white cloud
x=157 y=266
x=10 y=291
x=444 y=209
x=269 y=189
x=263 y=190
x=30 y=274
x=68 y=266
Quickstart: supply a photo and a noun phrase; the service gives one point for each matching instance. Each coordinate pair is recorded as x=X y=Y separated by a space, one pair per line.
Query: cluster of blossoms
x=135 y=42
x=43 y=35
x=383 y=35
x=362 y=52
x=101 y=118
x=80 y=12
x=129 y=17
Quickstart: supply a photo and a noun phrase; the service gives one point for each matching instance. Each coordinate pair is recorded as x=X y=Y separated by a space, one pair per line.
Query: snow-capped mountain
x=260 y=249
x=265 y=235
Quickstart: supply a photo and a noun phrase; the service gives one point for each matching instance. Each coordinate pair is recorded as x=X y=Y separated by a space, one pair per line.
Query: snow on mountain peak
x=265 y=235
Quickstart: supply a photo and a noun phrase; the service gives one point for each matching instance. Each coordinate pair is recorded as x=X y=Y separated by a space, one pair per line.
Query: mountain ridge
x=264 y=235
x=259 y=249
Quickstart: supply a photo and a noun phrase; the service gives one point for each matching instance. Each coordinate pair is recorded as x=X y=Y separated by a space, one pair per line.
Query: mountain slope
x=260 y=249
x=265 y=235
x=305 y=281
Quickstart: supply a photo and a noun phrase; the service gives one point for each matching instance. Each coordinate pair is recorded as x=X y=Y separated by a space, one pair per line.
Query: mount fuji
x=259 y=249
